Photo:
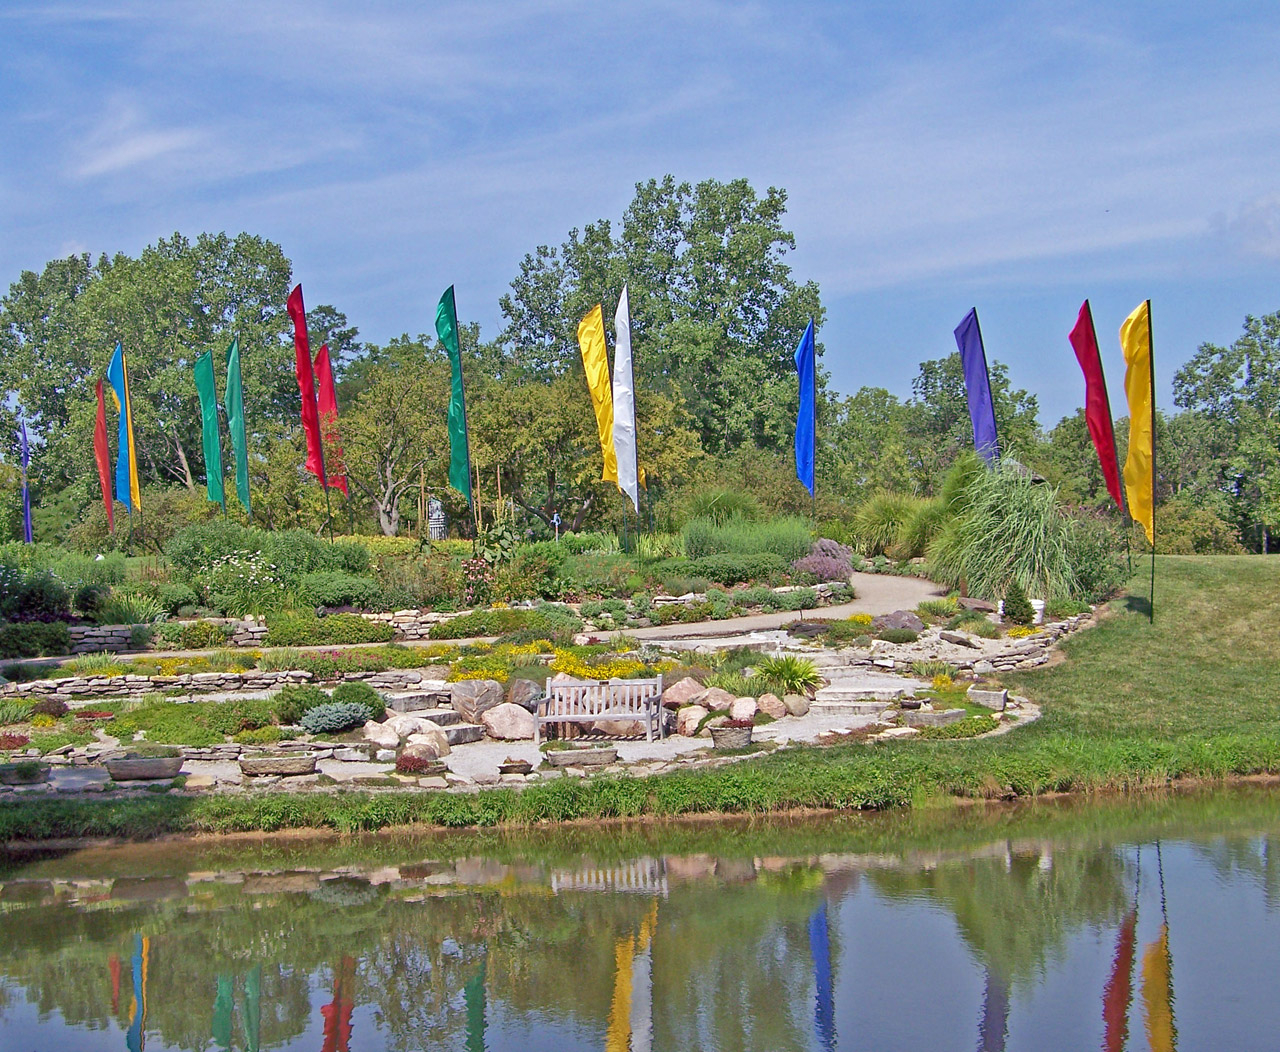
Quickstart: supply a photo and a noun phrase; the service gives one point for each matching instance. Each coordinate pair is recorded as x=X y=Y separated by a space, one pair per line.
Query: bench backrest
x=602 y=696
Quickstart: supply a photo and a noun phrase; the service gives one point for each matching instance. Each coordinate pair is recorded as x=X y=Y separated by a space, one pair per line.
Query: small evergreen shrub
x=356 y=692
x=201 y=634
x=1017 y=607
x=34 y=639
x=294 y=701
x=334 y=718
x=335 y=588
x=898 y=635
x=292 y=630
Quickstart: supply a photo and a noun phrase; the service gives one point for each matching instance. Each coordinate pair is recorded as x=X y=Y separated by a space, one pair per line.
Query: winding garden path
x=877 y=594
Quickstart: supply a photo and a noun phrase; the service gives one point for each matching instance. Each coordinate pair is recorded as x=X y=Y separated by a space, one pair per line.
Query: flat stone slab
x=932 y=719
x=827 y=707
x=78 y=779
x=258 y=766
x=581 y=757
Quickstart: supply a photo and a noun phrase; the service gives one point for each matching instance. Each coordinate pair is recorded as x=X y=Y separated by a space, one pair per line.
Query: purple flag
x=26 y=492
x=977 y=386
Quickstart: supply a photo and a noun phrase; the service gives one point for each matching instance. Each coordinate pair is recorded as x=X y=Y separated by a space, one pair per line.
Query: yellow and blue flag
x=127 y=491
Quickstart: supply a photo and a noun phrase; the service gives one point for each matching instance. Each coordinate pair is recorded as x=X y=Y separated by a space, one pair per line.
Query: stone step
x=440 y=717
x=414 y=701
x=840 y=692
x=847 y=708
x=462 y=733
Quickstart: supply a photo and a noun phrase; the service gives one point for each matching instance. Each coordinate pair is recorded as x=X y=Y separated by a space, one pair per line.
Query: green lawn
x=1135 y=705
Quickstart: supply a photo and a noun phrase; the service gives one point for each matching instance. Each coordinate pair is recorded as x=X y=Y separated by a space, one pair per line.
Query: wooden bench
x=587 y=701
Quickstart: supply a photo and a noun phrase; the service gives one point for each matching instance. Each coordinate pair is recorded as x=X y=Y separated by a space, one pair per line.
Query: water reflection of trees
x=1251 y=857
x=1016 y=908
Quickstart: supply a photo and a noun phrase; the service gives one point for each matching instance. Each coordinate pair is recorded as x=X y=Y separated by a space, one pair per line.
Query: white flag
x=624 y=404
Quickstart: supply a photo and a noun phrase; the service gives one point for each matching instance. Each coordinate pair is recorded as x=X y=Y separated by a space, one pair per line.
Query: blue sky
x=1012 y=156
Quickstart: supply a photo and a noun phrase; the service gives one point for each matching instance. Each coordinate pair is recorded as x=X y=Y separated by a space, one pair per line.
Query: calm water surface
x=1128 y=925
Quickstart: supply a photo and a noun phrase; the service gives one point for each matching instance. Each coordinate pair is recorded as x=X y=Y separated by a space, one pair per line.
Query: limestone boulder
x=716 y=699
x=382 y=735
x=509 y=722
x=525 y=693
x=421 y=751
x=471 y=698
x=404 y=725
x=682 y=692
x=772 y=705
x=898 y=619
x=434 y=738
x=796 y=704
x=742 y=709
x=688 y=718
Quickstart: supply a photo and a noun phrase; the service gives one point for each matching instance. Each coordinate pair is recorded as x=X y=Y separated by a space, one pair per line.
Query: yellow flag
x=1139 y=466
x=595 y=362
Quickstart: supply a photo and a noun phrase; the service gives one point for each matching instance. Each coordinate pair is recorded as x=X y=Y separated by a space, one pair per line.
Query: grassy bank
x=1135 y=705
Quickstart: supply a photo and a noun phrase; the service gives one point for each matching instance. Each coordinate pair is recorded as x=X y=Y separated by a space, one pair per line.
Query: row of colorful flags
x=612 y=395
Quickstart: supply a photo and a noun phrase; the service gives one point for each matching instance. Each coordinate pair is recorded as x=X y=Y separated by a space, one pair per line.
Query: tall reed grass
x=789 y=537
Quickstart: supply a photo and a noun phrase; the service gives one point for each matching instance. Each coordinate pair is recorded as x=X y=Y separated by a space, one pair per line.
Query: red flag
x=102 y=454
x=306 y=383
x=329 y=422
x=1097 y=407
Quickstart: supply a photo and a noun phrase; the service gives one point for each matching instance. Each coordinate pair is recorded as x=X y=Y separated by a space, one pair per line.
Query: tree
x=1236 y=392
x=940 y=423
x=397 y=427
x=716 y=314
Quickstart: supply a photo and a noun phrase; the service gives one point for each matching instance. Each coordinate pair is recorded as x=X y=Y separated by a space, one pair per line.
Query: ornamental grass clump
x=788 y=674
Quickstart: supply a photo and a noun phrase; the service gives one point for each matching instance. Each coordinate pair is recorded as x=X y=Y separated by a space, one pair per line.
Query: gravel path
x=877 y=594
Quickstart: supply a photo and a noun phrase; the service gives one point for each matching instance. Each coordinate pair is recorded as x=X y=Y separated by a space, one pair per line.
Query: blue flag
x=26 y=489
x=807 y=418
x=977 y=386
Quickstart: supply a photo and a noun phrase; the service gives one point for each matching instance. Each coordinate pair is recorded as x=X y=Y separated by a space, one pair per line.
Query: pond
x=1127 y=924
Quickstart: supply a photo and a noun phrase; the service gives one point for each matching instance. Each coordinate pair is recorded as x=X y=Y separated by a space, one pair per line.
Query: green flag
x=209 y=424
x=234 y=404
x=459 y=449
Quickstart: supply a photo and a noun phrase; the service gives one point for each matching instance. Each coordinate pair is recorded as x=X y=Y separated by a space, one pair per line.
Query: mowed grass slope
x=1134 y=705
x=1210 y=663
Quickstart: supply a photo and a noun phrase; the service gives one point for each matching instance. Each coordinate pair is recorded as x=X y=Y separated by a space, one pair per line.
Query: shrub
x=231 y=717
x=898 y=635
x=797 y=599
x=355 y=692
x=32 y=595
x=738 y=568
x=89 y=597
x=196 y=547
x=173 y=597
x=55 y=707
x=826 y=561
x=23 y=672
x=415 y=764
x=34 y=639
x=1094 y=551
x=791 y=674
x=295 y=553
x=350 y=557
x=581 y=543
x=295 y=701
x=335 y=588
x=1187 y=528
x=333 y=718
x=533 y=572
x=14 y=741
x=545 y=621
x=201 y=634
x=258 y=736
x=1017 y=607
x=1060 y=609
x=301 y=630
